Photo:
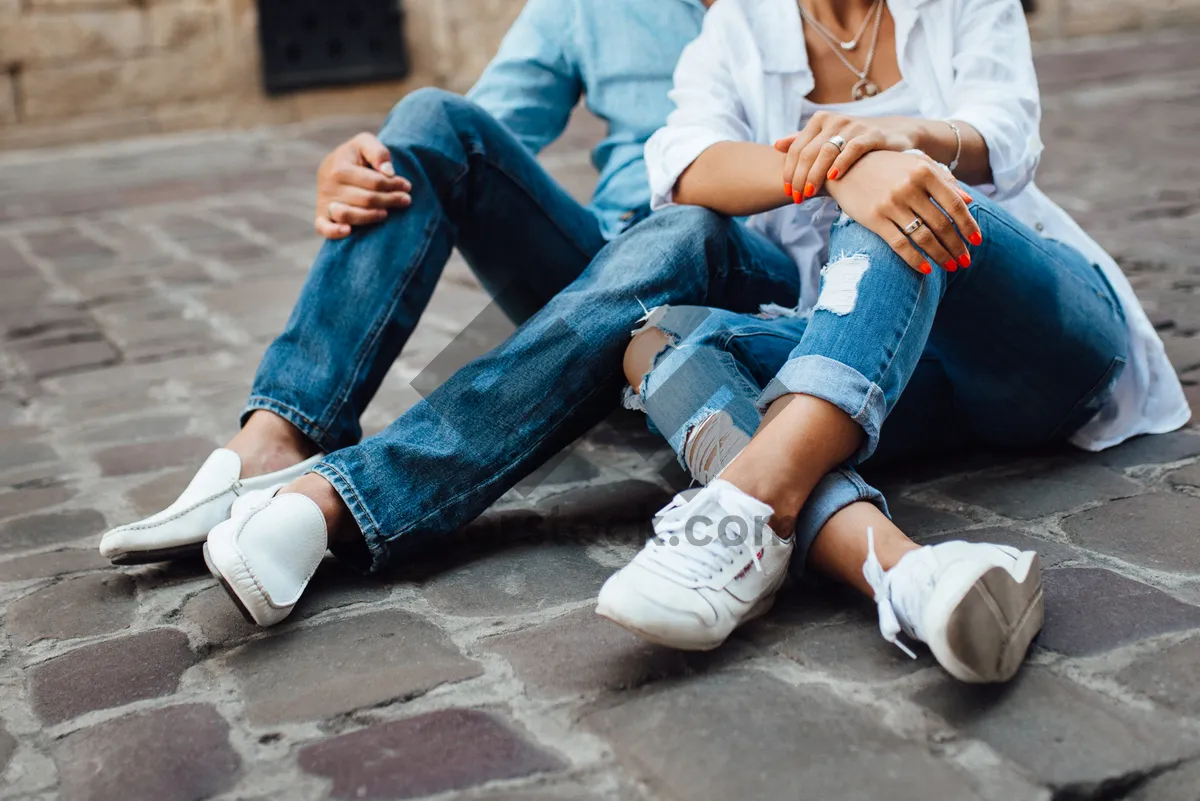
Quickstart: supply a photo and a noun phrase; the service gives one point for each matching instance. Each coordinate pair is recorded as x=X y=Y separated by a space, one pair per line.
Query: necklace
x=865 y=86
x=851 y=45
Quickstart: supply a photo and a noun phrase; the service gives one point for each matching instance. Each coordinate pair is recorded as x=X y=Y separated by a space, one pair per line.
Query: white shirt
x=746 y=77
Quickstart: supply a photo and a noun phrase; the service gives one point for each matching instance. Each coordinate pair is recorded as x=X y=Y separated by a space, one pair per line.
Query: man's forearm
x=734 y=178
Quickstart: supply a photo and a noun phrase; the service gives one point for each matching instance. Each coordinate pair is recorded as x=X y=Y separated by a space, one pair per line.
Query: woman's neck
x=844 y=14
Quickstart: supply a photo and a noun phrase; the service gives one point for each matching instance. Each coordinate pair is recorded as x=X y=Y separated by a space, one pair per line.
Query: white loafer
x=181 y=528
x=265 y=555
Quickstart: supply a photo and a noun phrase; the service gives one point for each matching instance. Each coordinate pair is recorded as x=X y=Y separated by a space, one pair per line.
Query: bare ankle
x=268 y=443
x=340 y=525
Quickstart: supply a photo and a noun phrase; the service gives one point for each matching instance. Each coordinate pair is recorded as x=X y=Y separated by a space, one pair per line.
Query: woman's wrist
x=935 y=139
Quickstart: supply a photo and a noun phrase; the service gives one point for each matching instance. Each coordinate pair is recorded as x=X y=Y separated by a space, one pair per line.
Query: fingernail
x=809 y=190
x=924 y=268
x=787 y=189
x=975 y=239
x=796 y=197
x=964 y=260
x=387 y=169
x=833 y=174
x=967 y=197
x=951 y=266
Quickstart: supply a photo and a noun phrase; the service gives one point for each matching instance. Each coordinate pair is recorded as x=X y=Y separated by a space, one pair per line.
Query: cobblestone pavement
x=142 y=280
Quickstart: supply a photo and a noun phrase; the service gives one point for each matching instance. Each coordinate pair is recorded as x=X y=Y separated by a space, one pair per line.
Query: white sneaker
x=685 y=591
x=266 y=553
x=180 y=529
x=977 y=606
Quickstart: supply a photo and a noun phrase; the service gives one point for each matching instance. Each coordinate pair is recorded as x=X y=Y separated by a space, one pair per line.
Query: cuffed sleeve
x=708 y=108
x=533 y=83
x=995 y=89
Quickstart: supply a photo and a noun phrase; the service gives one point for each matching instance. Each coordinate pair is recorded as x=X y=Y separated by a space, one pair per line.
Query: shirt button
x=627 y=216
x=1039 y=227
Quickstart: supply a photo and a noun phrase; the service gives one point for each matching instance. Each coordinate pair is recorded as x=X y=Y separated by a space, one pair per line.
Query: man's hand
x=887 y=192
x=356 y=185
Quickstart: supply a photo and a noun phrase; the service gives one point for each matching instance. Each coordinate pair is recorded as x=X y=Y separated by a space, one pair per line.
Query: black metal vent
x=310 y=43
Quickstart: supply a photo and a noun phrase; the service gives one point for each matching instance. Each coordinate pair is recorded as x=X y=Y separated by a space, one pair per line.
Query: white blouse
x=746 y=77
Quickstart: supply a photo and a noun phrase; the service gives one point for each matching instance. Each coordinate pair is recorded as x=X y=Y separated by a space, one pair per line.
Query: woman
x=956 y=301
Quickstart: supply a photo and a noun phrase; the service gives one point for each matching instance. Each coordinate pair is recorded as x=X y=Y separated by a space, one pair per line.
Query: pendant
x=848 y=46
x=864 y=88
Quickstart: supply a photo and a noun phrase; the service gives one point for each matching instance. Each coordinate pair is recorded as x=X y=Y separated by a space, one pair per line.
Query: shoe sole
x=233 y=596
x=157 y=555
x=758 y=610
x=992 y=620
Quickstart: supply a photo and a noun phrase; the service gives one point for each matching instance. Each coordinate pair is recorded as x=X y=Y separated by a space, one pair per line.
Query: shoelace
x=882 y=585
x=687 y=559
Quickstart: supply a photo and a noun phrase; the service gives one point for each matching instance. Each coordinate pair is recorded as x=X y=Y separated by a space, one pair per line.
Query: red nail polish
x=925 y=268
x=975 y=239
x=796 y=197
x=833 y=174
x=951 y=266
x=967 y=198
x=787 y=189
x=964 y=260
x=809 y=190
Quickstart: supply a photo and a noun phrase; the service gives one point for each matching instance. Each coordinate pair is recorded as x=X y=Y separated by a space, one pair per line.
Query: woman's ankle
x=267 y=443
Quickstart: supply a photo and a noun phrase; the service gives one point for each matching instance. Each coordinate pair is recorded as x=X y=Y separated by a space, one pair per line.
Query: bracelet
x=953 y=165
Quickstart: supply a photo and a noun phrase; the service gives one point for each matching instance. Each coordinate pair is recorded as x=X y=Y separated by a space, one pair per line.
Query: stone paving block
x=1042 y=489
x=1066 y=736
x=33 y=499
x=1178 y=784
x=919 y=521
x=179 y=753
x=1155 y=449
x=336 y=667
x=1156 y=530
x=1168 y=677
x=54 y=563
x=78 y=607
x=280 y=226
x=23 y=454
x=1186 y=477
x=160 y=492
x=51 y=357
x=123 y=460
x=1184 y=352
x=334 y=586
x=438 y=752
x=110 y=674
x=1051 y=553
x=137 y=429
x=1091 y=610
x=581 y=653
x=798 y=742
x=37 y=531
x=517 y=580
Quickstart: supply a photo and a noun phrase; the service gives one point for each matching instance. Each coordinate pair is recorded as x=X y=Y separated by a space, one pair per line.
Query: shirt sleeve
x=707 y=110
x=995 y=89
x=533 y=83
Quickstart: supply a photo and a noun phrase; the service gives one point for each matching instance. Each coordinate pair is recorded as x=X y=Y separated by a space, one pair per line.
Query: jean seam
x=342 y=478
x=1106 y=378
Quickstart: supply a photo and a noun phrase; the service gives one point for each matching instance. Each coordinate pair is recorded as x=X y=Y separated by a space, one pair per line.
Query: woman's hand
x=356 y=185
x=889 y=191
x=812 y=158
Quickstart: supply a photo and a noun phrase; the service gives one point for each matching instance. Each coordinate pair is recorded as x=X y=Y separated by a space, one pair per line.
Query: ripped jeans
x=1019 y=350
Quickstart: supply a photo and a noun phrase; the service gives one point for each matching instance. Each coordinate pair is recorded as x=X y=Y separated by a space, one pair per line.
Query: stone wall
x=85 y=70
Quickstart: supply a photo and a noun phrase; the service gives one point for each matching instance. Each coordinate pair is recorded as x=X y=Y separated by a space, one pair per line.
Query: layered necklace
x=865 y=87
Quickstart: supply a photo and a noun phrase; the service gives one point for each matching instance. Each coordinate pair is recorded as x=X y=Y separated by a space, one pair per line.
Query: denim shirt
x=621 y=55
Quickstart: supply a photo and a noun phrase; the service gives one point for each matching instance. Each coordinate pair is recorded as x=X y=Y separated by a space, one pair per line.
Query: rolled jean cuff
x=837 y=383
x=305 y=426
x=837 y=490
x=362 y=516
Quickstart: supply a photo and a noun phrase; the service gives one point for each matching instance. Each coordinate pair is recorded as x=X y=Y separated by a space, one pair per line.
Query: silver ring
x=837 y=142
x=913 y=226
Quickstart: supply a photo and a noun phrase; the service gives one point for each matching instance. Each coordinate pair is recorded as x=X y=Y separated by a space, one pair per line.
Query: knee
x=691 y=224
x=641 y=354
x=420 y=112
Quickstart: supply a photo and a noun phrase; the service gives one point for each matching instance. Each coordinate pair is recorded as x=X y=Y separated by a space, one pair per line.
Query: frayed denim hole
x=839 y=283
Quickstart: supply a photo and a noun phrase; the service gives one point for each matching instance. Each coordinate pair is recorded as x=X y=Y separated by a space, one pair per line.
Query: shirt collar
x=778 y=23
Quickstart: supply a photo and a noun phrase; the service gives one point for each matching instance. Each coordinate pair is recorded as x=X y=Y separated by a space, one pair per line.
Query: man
x=449 y=172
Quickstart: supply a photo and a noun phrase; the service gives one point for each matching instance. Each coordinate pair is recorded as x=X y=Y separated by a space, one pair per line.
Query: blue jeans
x=1019 y=350
x=543 y=258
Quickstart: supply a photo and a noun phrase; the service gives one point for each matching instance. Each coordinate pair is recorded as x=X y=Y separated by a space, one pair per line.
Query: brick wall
x=83 y=70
